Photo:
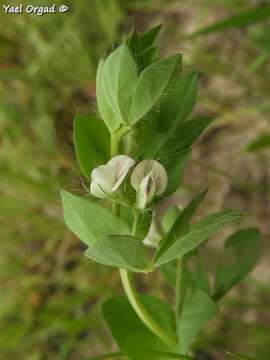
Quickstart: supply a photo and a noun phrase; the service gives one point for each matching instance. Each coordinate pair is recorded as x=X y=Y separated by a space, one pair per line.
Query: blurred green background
x=50 y=293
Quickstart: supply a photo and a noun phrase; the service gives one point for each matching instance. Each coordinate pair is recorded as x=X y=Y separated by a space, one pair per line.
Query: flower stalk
x=140 y=310
x=126 y=276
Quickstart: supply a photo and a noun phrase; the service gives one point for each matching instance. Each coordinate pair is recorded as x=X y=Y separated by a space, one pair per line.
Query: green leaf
x=169 y=272
x=179 y=101
x=120 y=76
x=152 y=82
x=180 y=226
x=90 y=221
x=198 y=233
x=239 y=357
x=175 y=165
x=200 y=276
x=196 y=310
x=158 y=137
x=147 y=57
x=130 y=334
x=110 y=118
x=188 y=132
x=242 y=19
x=197 y=278
x=260 y=143
x=169 y=218
x=142 y=48
x=167 y=147
x=144 y=221
x=127 y=252
x=147 y=39
x=92 y=141
x=195 y=305
x=246 y=246
x=138 y=43
x=175 y=150
x=176 y=276
x=144 y=224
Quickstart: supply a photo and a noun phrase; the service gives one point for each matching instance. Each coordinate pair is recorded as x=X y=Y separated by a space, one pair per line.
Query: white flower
x=149 y=178
x=106 y=179
x=153 y=236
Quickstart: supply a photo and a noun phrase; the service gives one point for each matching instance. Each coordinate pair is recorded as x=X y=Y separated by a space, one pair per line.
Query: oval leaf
x=120 y=76
x=130 y=334
x=90 y=221
x=107 y=114
x=152 y=82
x=246 y=245
x=91 y=140
x=127 y=252
x=196 y=310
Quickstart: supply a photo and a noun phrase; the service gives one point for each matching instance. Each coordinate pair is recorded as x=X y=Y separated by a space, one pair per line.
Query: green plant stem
x=136 y=303
x=116 y=138
x=136 y=221
x=114 y=144
x=126 y=277
x=115 y=208
x=142 y=312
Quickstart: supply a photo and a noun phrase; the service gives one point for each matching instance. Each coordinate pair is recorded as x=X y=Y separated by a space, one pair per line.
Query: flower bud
x=153 y=236
x=149 y=179
x=106 y=179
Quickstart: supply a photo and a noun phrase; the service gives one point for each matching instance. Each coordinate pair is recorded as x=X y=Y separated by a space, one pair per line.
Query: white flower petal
x=102 y=181
x=107 y=178
x=97 y=191
x=146 y=191
x=119 y=160
x=153 y=236
x=120 y=165
x=140 y=171
x=158 y=171
x=161 y=178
